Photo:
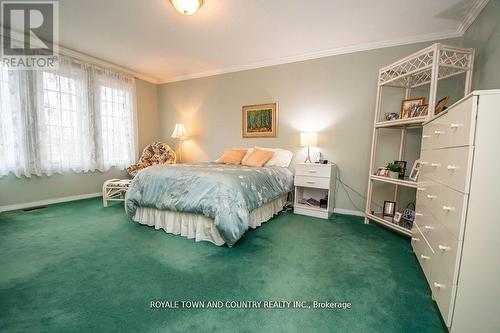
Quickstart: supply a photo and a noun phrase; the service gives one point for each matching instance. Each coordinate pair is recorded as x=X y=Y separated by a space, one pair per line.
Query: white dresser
x=456 y=234
x=314 y=181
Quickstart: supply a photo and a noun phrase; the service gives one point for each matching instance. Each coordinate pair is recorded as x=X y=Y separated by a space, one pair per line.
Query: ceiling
x=151 y=38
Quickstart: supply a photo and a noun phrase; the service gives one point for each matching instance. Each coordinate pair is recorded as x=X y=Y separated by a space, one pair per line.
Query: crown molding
x=316 y=55
x=16 y=35
x=472 y=15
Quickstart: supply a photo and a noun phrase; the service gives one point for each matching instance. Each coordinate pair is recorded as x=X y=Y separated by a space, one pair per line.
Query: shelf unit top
x=416 y=69
x=401 y=182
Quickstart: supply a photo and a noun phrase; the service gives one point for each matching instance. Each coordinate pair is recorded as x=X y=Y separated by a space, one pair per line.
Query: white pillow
x=281 y=157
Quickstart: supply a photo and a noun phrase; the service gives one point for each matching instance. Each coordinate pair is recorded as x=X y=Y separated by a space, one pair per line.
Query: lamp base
x=308 y=158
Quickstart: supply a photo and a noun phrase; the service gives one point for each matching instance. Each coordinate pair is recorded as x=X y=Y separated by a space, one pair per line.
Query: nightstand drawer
x=317 y=170
x=316 y=182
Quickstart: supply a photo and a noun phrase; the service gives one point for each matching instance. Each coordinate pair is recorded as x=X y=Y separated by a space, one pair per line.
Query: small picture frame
x=402 y=173
x=397 y=217
x=415 y=171
x=441 y=105
x=382 y=171
x=389 y=208
x=422 y=110
x=408 y=106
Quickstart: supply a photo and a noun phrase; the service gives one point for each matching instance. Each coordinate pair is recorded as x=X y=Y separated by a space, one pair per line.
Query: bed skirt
x=198 y=226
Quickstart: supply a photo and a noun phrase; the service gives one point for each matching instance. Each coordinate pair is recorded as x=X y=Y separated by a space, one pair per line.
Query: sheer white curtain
x=77 y=118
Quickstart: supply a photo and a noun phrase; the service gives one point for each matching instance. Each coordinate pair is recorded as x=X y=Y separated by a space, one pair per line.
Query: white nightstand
x=314 y=181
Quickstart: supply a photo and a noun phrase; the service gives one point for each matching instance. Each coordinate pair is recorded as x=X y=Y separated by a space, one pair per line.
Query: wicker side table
x=114 y=190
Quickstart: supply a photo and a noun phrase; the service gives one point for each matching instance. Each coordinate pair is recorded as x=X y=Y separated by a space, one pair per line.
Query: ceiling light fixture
x=187 y=7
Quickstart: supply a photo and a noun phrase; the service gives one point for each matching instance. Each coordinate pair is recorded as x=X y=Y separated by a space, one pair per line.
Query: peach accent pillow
x=232 y=156
x=258 y=158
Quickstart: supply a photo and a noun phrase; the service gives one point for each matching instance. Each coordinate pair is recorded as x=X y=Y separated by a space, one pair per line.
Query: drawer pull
x=431 y=196
x=428 y=227
x=448 y=208
x=452 y=125
x=415 y=239
x=310 y=182
x=438 y=132
x=439 y=285
x=424 y=163
x=444 y=248
x=452 y=167
x=312 y=171
x=419 y=214
x=425 y=136
x=421 y=189
x=435 y=165
x=424 y=257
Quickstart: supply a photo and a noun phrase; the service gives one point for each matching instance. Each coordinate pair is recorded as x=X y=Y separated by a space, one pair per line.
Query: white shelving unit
x=425 y=67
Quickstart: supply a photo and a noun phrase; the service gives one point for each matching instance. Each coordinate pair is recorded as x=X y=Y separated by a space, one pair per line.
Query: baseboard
x=49 y=201
x=349 y=212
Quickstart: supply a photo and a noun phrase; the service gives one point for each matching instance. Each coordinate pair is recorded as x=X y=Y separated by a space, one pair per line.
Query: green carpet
x=80 y=267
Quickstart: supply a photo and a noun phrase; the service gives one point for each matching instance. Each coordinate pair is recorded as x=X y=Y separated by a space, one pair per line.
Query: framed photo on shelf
x=403 y=164
x=415 y=170
x=397 y=217
x=441 y=105
x=408 y=106
x=382 y=171
x=422 y=110
x=389 y=208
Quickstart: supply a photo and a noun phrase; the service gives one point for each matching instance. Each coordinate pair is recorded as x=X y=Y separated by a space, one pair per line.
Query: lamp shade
x=179 y=132
x=308 y=139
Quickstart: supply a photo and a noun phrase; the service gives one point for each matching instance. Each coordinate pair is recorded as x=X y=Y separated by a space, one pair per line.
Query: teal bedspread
x=225 y=193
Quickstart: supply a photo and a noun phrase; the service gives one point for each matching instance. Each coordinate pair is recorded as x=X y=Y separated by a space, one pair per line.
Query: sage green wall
x=484 y=36
x=333 y=95
x=15 y=191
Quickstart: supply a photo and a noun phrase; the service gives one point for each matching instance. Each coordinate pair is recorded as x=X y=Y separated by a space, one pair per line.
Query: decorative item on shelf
x=408 y=106
x=415 y=170
x=402 y=164
x=441 y=105
x=391 y=116
x=308 y=139
x=397 y=217
x=408 y=216
x=187 y=7
x=260 y=120
x=422 y=110
x=395 y=170
x=181 y=134
x=382 y=171
x=389 y=208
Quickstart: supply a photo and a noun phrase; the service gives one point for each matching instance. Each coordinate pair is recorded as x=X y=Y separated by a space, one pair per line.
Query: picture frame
x=402 y=173
x=422 y=110
x=382 y=171
x=260 y=120
x=408 y=107
x=441 y=105
x=389 y=208
x=415 y=171
x=397 y=217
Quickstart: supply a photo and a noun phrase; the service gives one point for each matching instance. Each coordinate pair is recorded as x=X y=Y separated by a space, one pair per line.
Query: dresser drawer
x=318 y=170
x=450 y=166
x=447 y=249
x=316 y=182
x=443 y=292
x=454 y=129
x=447 y=206
x=426 y=224
x=423 y=252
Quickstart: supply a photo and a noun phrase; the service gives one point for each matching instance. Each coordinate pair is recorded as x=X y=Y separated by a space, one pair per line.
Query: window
x=64 y=124
x=117 y=125
x=78 y=118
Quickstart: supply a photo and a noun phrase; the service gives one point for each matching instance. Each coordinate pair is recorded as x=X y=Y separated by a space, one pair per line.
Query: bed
x=207 y=201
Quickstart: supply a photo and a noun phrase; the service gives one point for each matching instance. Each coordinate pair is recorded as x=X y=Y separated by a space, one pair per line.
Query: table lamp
x=181 y=134
x=308 y=139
